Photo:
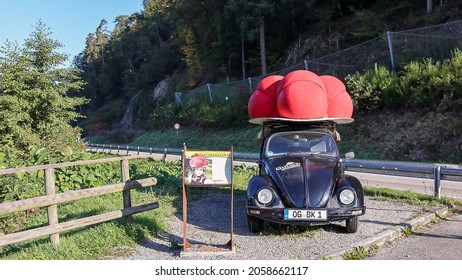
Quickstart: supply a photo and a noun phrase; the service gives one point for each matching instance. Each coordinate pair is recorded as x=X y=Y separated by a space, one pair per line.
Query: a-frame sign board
x=207 y=169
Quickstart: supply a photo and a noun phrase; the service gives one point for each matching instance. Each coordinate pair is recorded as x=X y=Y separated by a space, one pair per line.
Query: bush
x=25 y=185
x=373 y=89
x=424 y=84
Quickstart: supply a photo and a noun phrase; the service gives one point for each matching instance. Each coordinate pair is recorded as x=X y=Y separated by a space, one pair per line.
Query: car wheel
x=352 y=224
x=254 y=224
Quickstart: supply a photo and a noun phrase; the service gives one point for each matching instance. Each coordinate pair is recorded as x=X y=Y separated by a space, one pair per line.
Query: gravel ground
x=209 y=224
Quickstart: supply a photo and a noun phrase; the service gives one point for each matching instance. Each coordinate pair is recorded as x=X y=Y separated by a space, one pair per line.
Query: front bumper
x=333 y=214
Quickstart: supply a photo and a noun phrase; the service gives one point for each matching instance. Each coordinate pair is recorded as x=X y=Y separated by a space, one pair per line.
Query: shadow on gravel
x=170 y=244
x=439 y=236
x=391 y=224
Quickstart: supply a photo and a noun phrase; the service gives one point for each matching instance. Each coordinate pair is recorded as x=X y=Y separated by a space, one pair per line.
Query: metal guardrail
x=434 y=171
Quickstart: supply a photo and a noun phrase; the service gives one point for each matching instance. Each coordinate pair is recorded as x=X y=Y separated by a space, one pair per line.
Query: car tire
x=255 y=224
x=352 y=224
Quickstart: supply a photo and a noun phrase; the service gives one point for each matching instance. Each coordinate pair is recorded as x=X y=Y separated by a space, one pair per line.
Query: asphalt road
x=441 y=241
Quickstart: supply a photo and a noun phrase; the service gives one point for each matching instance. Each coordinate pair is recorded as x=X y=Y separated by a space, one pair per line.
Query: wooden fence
x=52 y=199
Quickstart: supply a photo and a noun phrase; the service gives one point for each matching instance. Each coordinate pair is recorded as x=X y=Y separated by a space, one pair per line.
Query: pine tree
x=35 y=108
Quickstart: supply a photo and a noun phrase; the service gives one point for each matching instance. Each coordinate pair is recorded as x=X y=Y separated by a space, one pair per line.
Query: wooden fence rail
x=52 y=199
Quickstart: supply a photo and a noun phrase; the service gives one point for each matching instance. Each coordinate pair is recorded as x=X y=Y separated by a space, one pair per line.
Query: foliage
x=418 y=84
x=25 y=185
x=200 y=114
x=209 y=41
x=369 y=25
x=204 y=115
x=358 y=253
x=368 y=89
x=34 y=104
x=407 y=231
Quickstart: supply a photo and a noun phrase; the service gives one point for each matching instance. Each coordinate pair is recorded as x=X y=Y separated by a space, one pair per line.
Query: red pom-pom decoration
x=302 y=95
x=198 y=162
x=262 y=103
x=339 y=101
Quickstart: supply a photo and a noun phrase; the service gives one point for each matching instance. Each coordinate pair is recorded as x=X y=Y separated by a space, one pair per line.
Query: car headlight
x=265 y=196
x=347 y=196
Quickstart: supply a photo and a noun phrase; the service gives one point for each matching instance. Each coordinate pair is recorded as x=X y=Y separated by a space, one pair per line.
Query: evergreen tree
x=34 y=106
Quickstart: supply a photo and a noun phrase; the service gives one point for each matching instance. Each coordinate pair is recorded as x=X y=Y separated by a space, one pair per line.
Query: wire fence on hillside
x=392 y=49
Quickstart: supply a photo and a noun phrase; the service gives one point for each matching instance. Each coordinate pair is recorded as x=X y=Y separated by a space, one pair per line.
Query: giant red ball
x=302 y=95
x=339 y=101
x=262 y=103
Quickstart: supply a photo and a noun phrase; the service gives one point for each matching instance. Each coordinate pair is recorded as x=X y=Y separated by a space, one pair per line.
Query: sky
x=70 y=21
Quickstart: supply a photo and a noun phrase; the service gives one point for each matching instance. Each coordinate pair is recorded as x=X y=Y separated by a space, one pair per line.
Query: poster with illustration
x=207 y=168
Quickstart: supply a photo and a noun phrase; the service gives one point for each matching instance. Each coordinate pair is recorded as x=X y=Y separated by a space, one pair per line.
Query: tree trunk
x=262 y=48
x=429 y=6
x=243 y=56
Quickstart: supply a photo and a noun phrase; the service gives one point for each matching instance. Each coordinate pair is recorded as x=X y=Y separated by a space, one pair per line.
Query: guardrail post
x=437 y=178
x=126 y=193
x=52 y=210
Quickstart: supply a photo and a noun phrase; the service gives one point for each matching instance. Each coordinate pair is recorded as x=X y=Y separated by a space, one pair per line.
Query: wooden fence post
x=126 y=193
x=52 y=210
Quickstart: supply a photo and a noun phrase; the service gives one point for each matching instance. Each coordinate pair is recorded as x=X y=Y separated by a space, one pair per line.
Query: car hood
x=304 y=181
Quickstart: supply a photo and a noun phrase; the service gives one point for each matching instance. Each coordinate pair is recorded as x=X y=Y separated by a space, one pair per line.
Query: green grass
x=92 y=242
x=243 y=139
x=410 y=197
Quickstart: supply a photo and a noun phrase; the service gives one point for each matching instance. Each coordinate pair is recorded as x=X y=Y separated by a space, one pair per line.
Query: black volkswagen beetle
x=301 y=179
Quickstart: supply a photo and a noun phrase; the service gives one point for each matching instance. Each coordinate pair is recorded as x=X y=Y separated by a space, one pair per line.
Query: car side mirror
x=350 y=155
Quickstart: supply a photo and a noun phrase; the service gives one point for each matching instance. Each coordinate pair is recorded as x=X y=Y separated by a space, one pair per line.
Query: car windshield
x=301 y=142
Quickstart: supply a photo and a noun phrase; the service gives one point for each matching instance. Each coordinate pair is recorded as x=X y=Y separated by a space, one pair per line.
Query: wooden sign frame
x=207 y=169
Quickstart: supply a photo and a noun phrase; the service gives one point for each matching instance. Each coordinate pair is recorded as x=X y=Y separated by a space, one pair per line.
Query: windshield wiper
x=303 y=153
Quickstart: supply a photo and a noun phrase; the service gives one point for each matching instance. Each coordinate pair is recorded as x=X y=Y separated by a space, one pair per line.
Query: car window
x=300 y=142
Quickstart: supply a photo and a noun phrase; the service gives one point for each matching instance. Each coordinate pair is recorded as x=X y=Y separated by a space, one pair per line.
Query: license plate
x=306 y=215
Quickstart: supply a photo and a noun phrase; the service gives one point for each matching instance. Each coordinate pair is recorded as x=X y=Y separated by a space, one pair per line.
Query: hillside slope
x=432 y=136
